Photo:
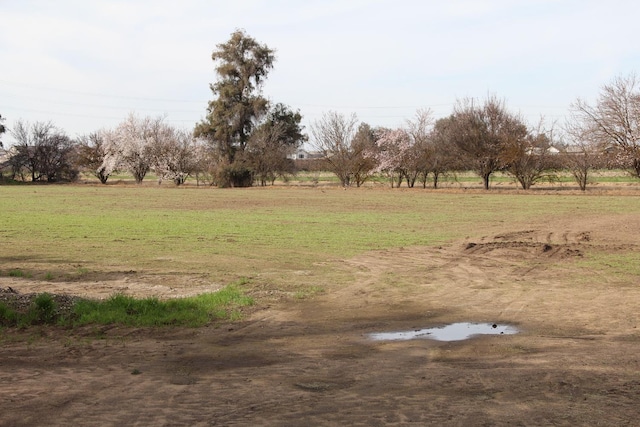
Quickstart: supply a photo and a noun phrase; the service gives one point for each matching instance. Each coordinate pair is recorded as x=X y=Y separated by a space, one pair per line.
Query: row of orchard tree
x=245 y=138
x=138 y=145
x=486 y=137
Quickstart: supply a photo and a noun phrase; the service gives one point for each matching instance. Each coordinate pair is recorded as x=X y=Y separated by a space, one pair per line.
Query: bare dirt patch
x=309 y=362
x=105 y=284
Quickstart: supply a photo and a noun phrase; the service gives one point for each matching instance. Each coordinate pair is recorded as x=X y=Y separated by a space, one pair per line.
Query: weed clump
x=16 y=273
x=191 y=311
x=8 y=316
x=24 y=310
x=42 y=310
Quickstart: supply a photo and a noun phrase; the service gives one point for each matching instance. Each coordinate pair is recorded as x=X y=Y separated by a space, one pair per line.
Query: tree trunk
x=524 y=183
x=411 y=180
x=636 y=167
x=581 y=178
x=485 y=180
x=103 y=177
x=424 y=178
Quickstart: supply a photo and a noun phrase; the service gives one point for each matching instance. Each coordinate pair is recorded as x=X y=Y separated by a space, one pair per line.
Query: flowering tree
x=402 y=154
x=134 y=144
x=393 y=150
x=129 y=145
x=175 y=155
x=142 y=144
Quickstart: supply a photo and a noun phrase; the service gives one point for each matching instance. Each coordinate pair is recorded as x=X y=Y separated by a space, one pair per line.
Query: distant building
x=302 y=154
x=537 y=151
x=575 y=149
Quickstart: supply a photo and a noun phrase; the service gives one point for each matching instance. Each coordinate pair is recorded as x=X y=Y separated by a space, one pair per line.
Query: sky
x=85 y=65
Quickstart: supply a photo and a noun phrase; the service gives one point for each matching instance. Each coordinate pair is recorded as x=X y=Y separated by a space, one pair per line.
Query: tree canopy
x=243 y=64
x=44 y=151
x=480 y=133
x=333 y=136
x=613 y=123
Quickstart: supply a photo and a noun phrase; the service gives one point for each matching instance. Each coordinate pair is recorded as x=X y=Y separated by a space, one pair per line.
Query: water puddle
x=453 y=332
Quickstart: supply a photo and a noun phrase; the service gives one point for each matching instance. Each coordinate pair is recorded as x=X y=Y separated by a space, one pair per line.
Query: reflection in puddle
x=452 y=332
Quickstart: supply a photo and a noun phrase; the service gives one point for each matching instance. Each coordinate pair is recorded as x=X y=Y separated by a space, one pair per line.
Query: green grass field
x=236 y=233
x=287 y=239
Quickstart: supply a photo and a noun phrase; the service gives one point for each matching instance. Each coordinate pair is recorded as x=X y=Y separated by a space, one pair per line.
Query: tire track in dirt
x=310 y=363
x=519 y=276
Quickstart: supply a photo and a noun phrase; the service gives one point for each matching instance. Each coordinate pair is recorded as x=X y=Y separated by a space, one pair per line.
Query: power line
x=101 y=95
x=388 y=107
x=57 y=113
x=362 y=110
x=111 y=107
x=205 y=102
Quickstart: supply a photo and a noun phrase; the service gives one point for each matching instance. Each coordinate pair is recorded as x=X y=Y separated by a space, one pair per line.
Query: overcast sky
x=86 y=64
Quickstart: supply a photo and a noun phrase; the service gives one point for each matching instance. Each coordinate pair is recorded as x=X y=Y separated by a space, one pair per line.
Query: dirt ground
x=311 y=362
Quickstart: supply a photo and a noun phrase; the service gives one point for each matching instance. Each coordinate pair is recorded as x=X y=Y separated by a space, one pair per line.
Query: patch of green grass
x=622 y=267
x=192 y=311
x=8 y=316
x=269 y=233
x=207 y=229
x=16 y=273
x=41 y=312
x=124 y=310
